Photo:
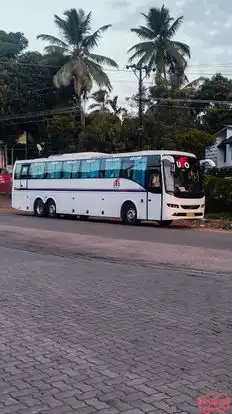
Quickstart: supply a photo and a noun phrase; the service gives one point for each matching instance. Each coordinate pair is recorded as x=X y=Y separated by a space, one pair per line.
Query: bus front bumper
x=190 y=210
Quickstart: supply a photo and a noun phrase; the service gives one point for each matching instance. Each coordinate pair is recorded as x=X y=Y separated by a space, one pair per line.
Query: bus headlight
x=173 y=205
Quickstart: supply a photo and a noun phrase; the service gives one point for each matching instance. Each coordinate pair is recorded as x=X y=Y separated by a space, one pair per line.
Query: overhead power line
x=62 y=116
x=28 y=115
x=202 y=101
x=120 y=69
x=21 y=118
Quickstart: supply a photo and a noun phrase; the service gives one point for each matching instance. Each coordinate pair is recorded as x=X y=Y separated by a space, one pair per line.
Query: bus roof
x=87 y=155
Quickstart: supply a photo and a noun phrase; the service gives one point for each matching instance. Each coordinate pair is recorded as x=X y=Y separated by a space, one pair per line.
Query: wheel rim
x=39 y=208
x=131 y=215
x=52 y=209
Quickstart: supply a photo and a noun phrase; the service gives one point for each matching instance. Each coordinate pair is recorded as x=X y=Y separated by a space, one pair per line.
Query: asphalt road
x=148 y=233
x=100 y=318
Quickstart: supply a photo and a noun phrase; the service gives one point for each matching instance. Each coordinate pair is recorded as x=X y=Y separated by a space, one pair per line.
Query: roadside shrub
x=218 y=193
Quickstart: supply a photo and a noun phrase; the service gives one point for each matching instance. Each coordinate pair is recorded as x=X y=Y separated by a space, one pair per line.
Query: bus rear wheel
x=51 y=209
x=39 y=208
x=129 y=214
x=165 y=223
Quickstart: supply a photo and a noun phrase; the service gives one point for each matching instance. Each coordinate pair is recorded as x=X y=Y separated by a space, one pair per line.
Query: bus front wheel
x=39 y=208
x=129 y=214
x=165 y=223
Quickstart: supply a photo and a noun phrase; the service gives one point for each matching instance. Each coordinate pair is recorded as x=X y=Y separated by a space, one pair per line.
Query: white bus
x=146 y=185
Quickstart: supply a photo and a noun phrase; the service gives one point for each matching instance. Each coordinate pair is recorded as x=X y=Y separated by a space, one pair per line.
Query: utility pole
x=138 y=71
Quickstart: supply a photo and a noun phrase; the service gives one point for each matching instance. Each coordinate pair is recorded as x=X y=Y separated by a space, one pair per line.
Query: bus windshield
x=182 y=178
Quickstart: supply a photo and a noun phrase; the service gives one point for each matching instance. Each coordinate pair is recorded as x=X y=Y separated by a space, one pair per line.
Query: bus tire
x=165 y=223
x=129 y=214
x=51 y=209
x=39 y=208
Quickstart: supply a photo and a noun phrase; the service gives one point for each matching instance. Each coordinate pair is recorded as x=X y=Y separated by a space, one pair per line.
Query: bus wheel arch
x=129 y=213
x=50 y=208
x=39 y=207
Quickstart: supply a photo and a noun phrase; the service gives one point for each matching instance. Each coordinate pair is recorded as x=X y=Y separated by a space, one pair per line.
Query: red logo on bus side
x=213 y=403
x=116 y=183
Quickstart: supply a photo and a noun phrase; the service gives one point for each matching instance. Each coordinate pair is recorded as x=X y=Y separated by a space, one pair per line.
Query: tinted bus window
x=24 y=171
x=53 y=170
x=37 y=171
x=90 y=168
x=112 y=167
x=127 y=168
x=139 y=170
x=67 y=169
x=17 y=171
x=134 y=168
x=76 y=169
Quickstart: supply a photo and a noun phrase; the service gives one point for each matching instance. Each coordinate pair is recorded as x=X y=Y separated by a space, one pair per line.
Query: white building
x=221 y=151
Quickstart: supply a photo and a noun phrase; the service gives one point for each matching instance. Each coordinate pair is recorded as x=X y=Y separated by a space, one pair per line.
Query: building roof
x=223 y=129
x=225 y=142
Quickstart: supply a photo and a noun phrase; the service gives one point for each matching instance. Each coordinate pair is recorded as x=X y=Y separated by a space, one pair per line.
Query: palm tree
x=100 y=99
x=158 y=49
x=72 y=52
x=117 y=110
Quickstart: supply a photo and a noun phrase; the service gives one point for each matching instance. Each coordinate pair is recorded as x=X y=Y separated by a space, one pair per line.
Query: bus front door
x=154 y=196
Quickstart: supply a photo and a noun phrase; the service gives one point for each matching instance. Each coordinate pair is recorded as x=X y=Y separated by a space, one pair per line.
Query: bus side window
x=17 y=171
x=84 y=169
x=24 y=171
x=127 y=168
x=67 y=168
x=112 y=167
x=53 y=170
x=90 y=168
x=94 y=168
x=37 y=171
x=139 y=172
x=102 y=168
x=76 y=169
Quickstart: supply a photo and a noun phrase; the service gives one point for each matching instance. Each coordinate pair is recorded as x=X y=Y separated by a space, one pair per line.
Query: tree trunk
x=165 y=74
x=79 y=118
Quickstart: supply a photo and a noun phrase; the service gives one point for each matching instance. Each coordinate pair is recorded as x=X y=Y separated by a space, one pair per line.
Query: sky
x=207 y=29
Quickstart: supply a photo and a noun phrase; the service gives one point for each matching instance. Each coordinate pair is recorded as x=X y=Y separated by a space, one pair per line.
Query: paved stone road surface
x=87 y=336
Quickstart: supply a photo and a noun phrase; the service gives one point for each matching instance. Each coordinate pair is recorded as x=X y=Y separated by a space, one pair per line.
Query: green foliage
x=218 y=194
x=73 y=52
x=158 y=49
x=100 y=100
x=194 y=140
x=62 y=135
x=12 y=44
x=27 y=86
x=218 y=88
x=216 y=117
x=102 y=133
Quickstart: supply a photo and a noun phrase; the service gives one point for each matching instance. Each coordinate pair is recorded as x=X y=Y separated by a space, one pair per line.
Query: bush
x=218 y=192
